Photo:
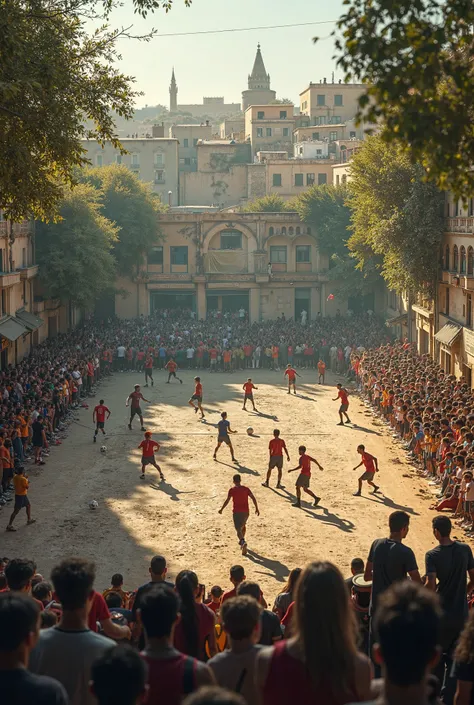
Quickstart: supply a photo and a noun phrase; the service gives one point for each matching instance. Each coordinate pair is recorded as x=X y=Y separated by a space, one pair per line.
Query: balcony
x=9 y=279
x=18 y=228
x=30 y=271
x=460 y=225
x=467 y=282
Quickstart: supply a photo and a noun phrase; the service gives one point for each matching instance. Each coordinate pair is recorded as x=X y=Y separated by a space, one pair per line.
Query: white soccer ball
x=250 y=431
x=103 y=449
x=93 y=504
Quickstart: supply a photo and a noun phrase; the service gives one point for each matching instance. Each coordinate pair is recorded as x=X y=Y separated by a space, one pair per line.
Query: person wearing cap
x=149 y=448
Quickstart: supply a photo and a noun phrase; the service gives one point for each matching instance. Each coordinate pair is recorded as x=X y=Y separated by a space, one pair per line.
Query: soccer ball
x=93 y=504
x=250 y=431
x=103 y=449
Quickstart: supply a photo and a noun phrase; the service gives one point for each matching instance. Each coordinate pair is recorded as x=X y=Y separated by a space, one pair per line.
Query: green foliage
x=132 y=206
x=325 y=209
x=273 y=203
x=75 y=254
x=396 y=216
x=416 y=59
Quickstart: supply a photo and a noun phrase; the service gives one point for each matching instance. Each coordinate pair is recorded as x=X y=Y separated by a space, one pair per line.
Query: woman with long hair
x=286 y=596
x=197 y=625
x=319 y=664
x=463 y=669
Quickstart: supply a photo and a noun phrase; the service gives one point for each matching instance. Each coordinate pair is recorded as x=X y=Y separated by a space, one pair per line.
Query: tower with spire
x=259 y=91
x=173 y=93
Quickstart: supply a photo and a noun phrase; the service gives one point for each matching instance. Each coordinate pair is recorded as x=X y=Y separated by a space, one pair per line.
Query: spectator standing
x=270 y=629
x=119 y=677
x=463 y=667
x=19 y=632
x=196 y=628
x=448 y=564
x=286 y=597
x=320 y=663
x=67 y=651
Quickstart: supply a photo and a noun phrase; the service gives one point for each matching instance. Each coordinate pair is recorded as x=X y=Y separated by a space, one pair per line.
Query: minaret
x=173 y=94
x=259 y=78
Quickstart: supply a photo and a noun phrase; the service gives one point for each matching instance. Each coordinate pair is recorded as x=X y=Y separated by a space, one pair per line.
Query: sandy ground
x=179 y=519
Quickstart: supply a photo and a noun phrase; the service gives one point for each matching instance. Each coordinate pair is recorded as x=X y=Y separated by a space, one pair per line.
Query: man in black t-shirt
x=449 y=563
x=389 y=560
x=157 y=572
x=19 y=631
x=269 y=622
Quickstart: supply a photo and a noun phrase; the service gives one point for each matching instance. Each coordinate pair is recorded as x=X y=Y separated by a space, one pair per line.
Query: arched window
x=446 y=258
x=470 y=262
x=271 y=231
x=298 y=230
x=290 y=231
x=308 y=230
x=283 y=230
x=463 y=260
x=455 y=259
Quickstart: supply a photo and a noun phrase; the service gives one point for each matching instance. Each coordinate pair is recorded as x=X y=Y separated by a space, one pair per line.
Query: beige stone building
x=270 y=127
x=188 y=137
x=154 y=160
x=258 y=91
x=233 y=129
x=22 y=319
x=324 y=102
x=220 y=260
x=290 y=177
x=213 y=106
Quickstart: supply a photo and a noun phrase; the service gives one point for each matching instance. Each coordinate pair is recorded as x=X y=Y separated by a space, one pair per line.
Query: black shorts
x=196 y=397
x=249 y=396
x=172 y=374
x=148 y=371
x=37 y=443
x=21 y=500
x=135 y=411
x=223 y=439
x=100 y=424
x=149 y=460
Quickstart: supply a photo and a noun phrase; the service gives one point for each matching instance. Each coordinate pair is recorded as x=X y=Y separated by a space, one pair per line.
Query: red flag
x=330 y=297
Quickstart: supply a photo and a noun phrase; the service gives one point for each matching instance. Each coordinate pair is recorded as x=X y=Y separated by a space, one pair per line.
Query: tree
x=132 y=206
x=396 y=216
x=416 y=59
x=75 y=254
x=326 y=210
x=273 y=203
x=54 y=74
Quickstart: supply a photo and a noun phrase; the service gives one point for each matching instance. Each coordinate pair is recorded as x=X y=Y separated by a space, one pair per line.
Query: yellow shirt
x=21 y=485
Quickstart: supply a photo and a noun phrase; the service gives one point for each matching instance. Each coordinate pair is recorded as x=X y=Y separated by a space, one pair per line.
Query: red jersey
x=228 y=595
x=135 y=397
x=206 y=625
x=149 y=362
x=140 y=355
x=343 y=396
x=291 y=374
x=98 y=611
x=305 y=464
x=247 y=350
x=248 y=386
x=166 y=678
x=240 y=498
x=276 y=446
x=368 y=461
x=198 y=389
x=100 y=411
x=171 y=366
x=213 y=354
x=148 y=448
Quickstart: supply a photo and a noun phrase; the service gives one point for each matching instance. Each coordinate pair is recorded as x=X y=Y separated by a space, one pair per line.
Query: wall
x=350 y=94
x=212 y=109
x=208 y=188
x=231 y=127
x=256 y=181
x=156 y=158
x=254 y=96
x=288 y=169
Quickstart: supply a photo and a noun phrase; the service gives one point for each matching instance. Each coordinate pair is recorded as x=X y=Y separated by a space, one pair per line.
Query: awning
x=448 y=333
x=29 y=320
x=397 y=320
x=12 y=328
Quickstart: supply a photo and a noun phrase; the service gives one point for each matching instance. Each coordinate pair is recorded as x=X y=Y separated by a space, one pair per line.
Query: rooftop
x=339 y=84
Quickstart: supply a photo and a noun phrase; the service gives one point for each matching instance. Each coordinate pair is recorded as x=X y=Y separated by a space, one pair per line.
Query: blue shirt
x=223 y=427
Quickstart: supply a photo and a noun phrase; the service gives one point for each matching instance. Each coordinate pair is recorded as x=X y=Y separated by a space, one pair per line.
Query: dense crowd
x=321 y=640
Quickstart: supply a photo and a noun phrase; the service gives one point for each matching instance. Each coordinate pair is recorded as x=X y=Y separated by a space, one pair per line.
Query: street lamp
x=170 y=193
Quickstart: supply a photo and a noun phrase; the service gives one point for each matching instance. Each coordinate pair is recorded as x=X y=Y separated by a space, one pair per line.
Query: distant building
x=270 y=127
x=189 y=136
x=324 y=102
x=211 y=106
x=173 y=93
x=258 y=92
x=232 y=129
x=314 y=149
x=154 y=160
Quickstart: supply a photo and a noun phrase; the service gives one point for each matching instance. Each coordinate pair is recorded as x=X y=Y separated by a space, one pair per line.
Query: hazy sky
x=218 y=64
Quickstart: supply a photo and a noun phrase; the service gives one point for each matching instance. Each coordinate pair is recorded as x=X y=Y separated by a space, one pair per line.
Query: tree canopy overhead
x=416 y=59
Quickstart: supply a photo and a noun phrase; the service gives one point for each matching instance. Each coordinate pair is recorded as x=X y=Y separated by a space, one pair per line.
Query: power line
x=244 y=29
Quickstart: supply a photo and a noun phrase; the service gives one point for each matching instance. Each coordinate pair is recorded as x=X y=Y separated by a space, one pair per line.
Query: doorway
x=467 y=374
x=183 y=300
x=302 y=303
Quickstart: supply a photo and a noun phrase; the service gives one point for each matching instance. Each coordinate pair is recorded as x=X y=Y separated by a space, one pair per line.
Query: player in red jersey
x=240 y=497
x=135 y=409
x=276 y=447
x=292 y=374
x=343 y=395
x=304 y=477
x=248 y=388
x=197 y=397
x=371 y=466
x=149 y=369
x=98 y=417
x=149 y=448
x=172 y=366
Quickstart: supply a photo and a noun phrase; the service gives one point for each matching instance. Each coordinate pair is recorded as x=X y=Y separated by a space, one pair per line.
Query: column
x=315 y=302
x=201 y=300
x=254 y=305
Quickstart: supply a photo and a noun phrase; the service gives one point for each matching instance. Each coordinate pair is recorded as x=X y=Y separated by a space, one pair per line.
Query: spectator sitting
x=119 y=614
x=116 y=587
x=270 y=630
x=66 y=652
x=170 y=672
x=19 y=631
x=234 y=668
x=119 y=678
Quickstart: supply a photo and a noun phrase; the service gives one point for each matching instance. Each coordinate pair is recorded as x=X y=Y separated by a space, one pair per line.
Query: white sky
x=218 y=64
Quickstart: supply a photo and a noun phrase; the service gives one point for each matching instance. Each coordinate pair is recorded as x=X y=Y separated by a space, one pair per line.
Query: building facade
x=188 y=137
x=270 y=127
x=153 y=160
x=258 y=91
x=220 y=261
x=323 y=102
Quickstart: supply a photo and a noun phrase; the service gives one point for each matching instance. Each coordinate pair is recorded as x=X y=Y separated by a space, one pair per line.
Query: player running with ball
x=98 y=417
